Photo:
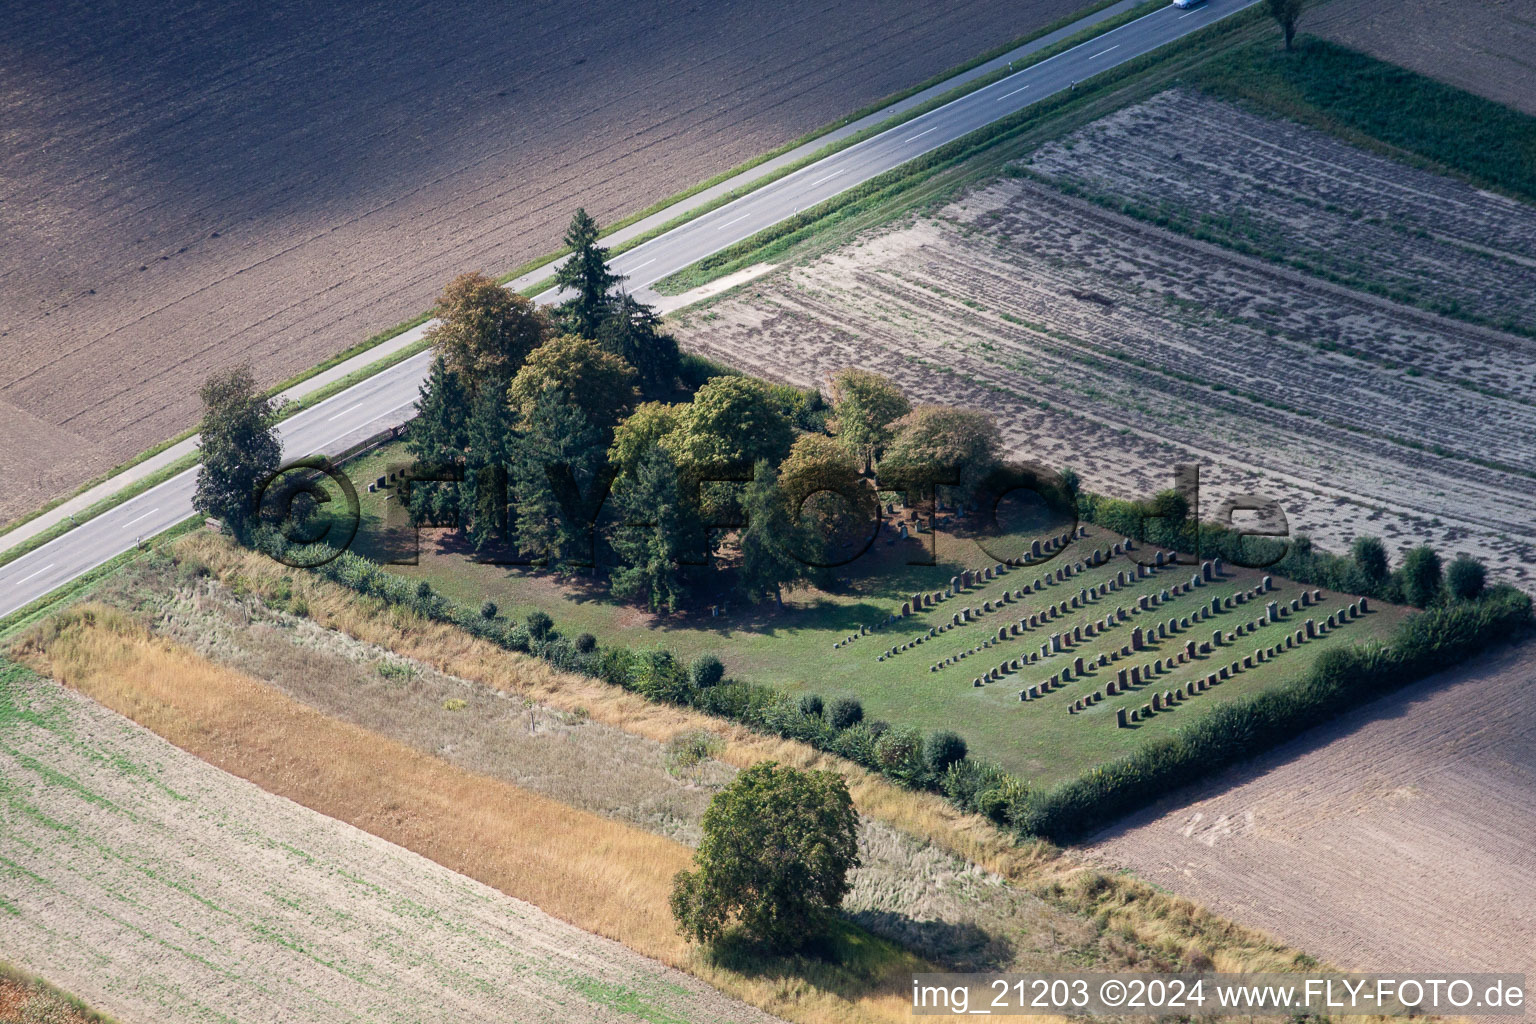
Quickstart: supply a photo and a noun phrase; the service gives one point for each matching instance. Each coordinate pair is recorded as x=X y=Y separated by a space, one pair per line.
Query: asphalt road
x=386 y=399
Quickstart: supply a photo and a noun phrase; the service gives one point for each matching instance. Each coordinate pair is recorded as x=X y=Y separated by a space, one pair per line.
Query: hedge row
x=1164 y=522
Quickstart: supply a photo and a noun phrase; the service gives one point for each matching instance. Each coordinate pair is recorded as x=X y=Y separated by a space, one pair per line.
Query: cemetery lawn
x=792 y=648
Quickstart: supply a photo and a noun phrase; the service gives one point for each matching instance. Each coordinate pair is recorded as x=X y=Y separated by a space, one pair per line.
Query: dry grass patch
x=1145 y=924
x=603 y=876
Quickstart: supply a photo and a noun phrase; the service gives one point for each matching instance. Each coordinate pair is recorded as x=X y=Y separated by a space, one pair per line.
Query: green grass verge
x=1384 y=107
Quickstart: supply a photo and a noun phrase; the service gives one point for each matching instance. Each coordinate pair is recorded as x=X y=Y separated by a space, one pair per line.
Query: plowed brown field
x=1397 y=838
x=183 y=187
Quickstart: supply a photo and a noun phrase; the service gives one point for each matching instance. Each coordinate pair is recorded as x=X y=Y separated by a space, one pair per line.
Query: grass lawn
x=793 y=647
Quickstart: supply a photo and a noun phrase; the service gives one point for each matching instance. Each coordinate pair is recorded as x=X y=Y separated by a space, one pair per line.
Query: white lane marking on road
x=137 y=518
x=733 y=220
x=829 y=177
x=1183 y=16
x=348 y=409
x=1103 y=52
x=921 y=134
x=1014 y=93
x=645 y=264
x=38 y=573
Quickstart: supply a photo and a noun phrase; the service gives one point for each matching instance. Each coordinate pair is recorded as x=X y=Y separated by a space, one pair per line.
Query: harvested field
x=603 y=876
x=1488 y=48
x=1296 y=196
x=162 y=889
x=1119 y=348
x=1398 y=835
x=186 y=187
x=905 y=889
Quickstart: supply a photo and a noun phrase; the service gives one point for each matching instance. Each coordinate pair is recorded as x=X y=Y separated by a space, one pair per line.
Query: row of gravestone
x=968 y=615
x=1051 y=611
x=1311 y=629
x=921 y=601
x=1140 y=637
x=1055 y=645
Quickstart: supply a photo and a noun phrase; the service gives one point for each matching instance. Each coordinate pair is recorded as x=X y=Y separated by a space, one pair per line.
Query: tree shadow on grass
x=846 y=961
x=962 y=946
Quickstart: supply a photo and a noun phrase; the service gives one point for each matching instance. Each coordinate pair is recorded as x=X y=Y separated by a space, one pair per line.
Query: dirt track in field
x=1487 y=47
x=183 y=187
x=1396 y=838
x=160 y=889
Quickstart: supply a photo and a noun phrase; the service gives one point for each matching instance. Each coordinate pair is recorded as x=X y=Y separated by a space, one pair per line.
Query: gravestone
x=1311 y=629
x=1137 y=640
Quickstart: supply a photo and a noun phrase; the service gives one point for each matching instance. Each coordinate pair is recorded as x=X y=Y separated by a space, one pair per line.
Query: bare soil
x=1398 y=836
x=187 y=187
x=1119 y=348
x=161 y=889
x=1488 y=48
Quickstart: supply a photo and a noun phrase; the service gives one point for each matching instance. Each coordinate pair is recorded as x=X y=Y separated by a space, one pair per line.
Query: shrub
x=1465 y=578
x=586 y=643
x=1420 y=576
x=539 y=624
x=706 y=670
x=423 y=589
x=488 y=610
x=899 y=754
x=944 y=749
x=783 y=901
x=657 y=675
x=1370 y=554
x=845 y=712
x=691 y=749
x=811 y=706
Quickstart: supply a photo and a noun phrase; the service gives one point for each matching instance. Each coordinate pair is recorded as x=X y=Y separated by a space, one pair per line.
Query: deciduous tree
x=647 y=425
x=730 y=424
x=599 y=383
x=777 y=849
x=866 y=404
x=485 y=331
x=239 y=449
x=835 y=509
x=934 y=444
x=1286 y=13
